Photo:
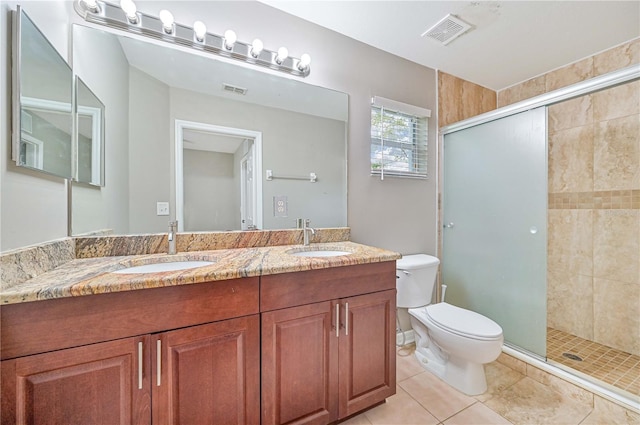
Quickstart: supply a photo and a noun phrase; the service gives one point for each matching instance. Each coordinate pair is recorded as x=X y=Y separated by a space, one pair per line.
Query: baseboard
x=409 y=337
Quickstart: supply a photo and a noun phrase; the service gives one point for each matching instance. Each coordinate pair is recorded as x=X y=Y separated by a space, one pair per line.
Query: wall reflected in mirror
x=42 y=99
x=146 y=87
x=90 y=135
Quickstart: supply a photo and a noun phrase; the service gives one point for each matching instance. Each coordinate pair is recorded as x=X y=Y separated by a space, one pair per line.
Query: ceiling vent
x=447 y=29
x=234 y=89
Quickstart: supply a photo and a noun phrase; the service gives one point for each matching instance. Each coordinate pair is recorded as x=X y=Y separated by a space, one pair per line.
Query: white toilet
x=451 y=342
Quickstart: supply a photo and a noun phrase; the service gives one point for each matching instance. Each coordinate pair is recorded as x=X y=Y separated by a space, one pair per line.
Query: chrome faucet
x=305 y=231
x=173 y=234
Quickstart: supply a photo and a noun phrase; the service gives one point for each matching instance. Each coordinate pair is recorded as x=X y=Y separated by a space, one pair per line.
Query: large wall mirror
x=42 y=102
x=191 y=136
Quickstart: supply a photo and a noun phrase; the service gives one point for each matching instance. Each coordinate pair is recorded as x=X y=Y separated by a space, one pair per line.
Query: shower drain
x=572 y=357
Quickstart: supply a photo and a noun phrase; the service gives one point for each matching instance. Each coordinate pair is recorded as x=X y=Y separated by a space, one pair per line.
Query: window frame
x=418 y=122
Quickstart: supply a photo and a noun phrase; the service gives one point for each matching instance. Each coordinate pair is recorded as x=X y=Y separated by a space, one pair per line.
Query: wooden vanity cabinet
x=300 y=365
x=192 y=353
x=178 y=355
x=367 y=351
x=93 y=384
x=325 y=361
x=210 y=374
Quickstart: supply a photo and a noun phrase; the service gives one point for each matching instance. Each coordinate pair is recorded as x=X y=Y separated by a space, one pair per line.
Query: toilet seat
x=463 y=322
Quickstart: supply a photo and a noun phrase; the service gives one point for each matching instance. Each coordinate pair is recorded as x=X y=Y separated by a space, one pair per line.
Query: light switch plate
x=280 y=206
x=162 y=208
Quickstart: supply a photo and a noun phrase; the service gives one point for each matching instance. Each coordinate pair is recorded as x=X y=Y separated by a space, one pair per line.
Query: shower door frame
x=582 y=88
x=592 y=85
x=603 y=82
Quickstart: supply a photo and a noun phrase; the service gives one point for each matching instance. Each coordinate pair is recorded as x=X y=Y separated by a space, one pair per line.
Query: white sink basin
x=164 y=267
x=319 y=253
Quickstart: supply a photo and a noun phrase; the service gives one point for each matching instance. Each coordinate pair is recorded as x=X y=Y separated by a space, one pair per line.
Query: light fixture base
x=111 y=15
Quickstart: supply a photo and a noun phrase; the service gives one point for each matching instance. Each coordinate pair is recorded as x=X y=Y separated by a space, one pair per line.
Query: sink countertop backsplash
x=105 y=246
x=235 y=255
x=20 y=265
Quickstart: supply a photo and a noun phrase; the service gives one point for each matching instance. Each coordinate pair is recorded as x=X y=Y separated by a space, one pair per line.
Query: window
x=398 y=139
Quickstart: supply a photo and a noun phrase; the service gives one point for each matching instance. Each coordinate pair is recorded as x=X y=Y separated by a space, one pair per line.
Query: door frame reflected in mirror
x=96 y=113
x=256 y=166
x=29 y=106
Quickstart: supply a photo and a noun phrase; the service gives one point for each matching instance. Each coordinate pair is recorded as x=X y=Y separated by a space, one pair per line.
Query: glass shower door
x=495 y=224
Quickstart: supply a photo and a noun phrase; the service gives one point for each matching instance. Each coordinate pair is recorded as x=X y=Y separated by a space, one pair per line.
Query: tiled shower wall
x=594 y=202
x=460 y=99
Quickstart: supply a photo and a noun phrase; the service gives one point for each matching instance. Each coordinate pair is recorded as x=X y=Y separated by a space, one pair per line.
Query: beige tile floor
x=511 y=398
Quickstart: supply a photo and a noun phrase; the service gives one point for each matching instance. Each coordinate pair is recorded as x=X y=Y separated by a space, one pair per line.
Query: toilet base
x=467 y=377
x=430 y=362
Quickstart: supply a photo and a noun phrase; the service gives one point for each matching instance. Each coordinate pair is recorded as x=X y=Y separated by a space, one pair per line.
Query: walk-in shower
x=541 y=226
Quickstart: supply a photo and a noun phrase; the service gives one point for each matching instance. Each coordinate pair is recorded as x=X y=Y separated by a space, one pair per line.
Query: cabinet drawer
x=292 y=289
x=43 y=326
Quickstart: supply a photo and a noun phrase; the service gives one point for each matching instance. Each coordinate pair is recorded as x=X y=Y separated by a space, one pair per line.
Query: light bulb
x=200 y=29
x=230 y=38
x=283 y=53
x=256 y=47
x=91 y=5
x=167 y=21
x=129 y=8
x=305 y=61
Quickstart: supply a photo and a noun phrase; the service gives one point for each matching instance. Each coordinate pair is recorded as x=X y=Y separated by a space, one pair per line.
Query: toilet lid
x=463 y=322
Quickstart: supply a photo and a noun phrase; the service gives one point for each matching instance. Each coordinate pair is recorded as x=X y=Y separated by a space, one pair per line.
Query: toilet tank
x=416 y=276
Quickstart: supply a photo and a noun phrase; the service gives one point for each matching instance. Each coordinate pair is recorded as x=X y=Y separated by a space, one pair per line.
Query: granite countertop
x=91 y=276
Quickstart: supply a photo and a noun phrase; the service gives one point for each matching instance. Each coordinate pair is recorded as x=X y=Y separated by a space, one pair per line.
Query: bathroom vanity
x=328 y=342
x=311 y=345
x=142 y=353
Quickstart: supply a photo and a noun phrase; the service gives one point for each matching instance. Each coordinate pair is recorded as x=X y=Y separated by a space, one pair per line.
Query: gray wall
x=395 y=213
x=210 y=201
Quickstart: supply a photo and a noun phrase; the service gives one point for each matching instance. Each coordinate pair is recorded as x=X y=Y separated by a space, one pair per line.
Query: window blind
x=398 y=139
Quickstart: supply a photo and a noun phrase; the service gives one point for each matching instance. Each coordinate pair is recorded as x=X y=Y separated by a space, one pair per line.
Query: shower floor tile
x=615 y=367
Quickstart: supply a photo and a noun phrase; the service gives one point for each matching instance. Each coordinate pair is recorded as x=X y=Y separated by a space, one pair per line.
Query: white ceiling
x=509 y=42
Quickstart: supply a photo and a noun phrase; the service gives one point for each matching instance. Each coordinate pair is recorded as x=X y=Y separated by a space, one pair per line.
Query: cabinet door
x=367 y=351
x=209 y=374
x=104 y=383
x=300 y=365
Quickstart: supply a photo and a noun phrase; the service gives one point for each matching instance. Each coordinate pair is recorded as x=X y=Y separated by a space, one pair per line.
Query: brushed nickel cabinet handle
x=337 y=320
x=159 y=362
x=346 y=319
x=140 y=365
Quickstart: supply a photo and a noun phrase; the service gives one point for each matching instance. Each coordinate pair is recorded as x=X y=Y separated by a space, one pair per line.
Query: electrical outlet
x=162 y=208
x=280 y=206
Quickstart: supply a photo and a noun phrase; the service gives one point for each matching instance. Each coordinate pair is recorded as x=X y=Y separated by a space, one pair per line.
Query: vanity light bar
x=113 y=15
